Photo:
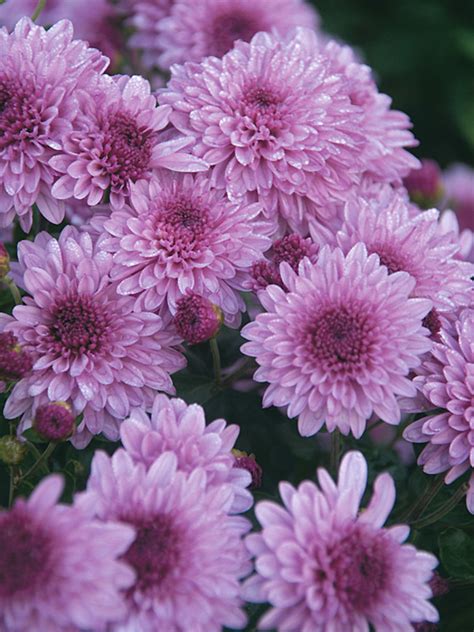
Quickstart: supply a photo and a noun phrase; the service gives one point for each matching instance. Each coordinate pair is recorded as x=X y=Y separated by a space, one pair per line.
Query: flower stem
x=14 y=291
x=11 y=488
x=423 y=501
x=216 y=360
x=44 y=456
x=238 y=373
x=444 y=509
x=335 y=451
x=39 y=8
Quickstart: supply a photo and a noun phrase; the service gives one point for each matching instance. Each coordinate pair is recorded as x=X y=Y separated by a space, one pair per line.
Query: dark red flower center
x=155 y=552
x=26 y=551
x=390 y=257
x=128 y=149
x=355 y=567
x=79 y=325
x=291 y=249
x=181 y=225
x=339 y=338
x=227 y=28
x=20 y=119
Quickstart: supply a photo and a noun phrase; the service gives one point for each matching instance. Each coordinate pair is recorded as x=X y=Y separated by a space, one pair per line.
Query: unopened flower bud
x=197 y=319
x=15 y=362
x=4 y=262
x=425 y=185
x=249 y=463
x=54 y=421
x=12 y=451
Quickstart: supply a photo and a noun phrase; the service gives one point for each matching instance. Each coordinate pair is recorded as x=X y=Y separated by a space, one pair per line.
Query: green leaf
x=457 y=553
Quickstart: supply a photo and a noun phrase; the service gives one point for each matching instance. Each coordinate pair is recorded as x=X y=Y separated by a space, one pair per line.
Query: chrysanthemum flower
x=192 y=31
x=40 y=72
x=446 y=382
x=338 y=346
x=144 y=16
x=89 y=347
x=181 y=235
x=116 y=143
x=322 y=565
x=386 y=131
x=182 y=429
x=188 y=554
x=273 y=118
x=59 y=568
x=414 y=244
x=96 y=27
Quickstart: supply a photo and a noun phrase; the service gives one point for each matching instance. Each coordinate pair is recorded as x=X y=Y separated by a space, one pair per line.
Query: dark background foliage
x=422 y=52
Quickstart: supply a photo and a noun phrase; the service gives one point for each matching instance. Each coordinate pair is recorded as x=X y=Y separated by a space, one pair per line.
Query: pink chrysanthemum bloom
x=144 y=16
x=273 y=118
x=292 y=249
x=90 y=348
x=414 y=244
x=188 y=554
x=445 y=381
x=182 y=429
x=338 y=346
x=449 y=223
x=59 y=568
x=96 y=26
x=324 y=566
x=116 y=143
x=386 y=131
x=459 y=185
x=40 y=72
x=193 y=30
x=181 y=235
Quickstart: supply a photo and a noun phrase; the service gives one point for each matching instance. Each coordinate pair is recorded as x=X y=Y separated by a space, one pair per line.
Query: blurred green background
x=422 y=53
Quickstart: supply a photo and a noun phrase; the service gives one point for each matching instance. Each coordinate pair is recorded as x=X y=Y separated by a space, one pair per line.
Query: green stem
x=44 y=456
x=423 y=501
x=11 y=488
x=335 y=451
x=445 y=508
x=14 y=291
x=216 y=360
x=39 y=8
x=38 y=455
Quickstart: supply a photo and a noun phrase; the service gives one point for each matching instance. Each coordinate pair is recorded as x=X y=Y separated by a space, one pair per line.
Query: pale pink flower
x=144 y=17
x=386 y=131
x=414 y=244
x=273 y=118
x=445 y=380
x=324 y=566
x=60 y=568
x=88 y=345
x=338 y=346
x=188 y=554
x=182 y=429
x=194 y=30
x=116 y=143
x=40 y=75
x=181 y=235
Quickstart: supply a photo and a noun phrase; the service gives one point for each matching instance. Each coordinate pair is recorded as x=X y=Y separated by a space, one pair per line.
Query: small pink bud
x=197 y=319
x=54 y=421
x=425 y=185
x=249 y=463
x=15 y=362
